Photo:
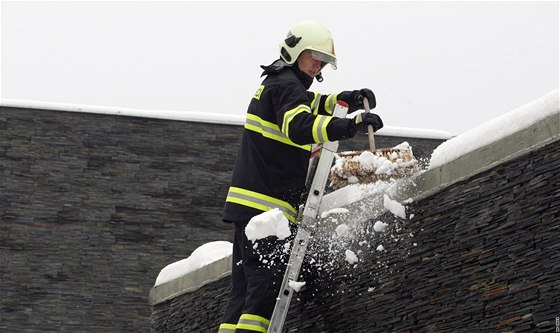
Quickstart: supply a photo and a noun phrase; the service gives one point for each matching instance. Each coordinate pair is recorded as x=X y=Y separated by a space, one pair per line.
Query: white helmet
x=308 y=35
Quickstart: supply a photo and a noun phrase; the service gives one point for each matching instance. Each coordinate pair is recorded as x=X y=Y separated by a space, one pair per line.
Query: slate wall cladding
x=480 y=256
x=93 y=206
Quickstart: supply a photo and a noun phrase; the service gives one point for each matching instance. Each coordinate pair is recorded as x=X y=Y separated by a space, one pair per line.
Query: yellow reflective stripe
x=253 y=323
x=330 y=103
x=227 y=328
x=255 y=317
x=270 y=130
x=260 y=202
x=315 y=103
x=290 y=114
x=320 y=129
x=258 y=93
x=252 y=328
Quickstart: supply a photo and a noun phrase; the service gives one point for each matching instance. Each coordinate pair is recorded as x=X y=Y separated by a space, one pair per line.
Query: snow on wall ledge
x=204 y=117
x=524 y=129
x=497 y=129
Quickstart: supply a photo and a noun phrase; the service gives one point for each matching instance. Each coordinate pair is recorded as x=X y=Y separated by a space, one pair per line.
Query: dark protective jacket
x=283 y=121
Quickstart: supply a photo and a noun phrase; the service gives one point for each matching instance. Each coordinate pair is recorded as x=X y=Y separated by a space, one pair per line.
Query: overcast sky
x=449 y=66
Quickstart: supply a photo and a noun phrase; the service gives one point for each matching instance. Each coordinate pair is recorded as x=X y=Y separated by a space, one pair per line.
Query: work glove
x=361 y=122
x=355 y=99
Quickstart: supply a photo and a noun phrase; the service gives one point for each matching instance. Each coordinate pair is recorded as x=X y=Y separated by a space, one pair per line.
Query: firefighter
x=283 y=120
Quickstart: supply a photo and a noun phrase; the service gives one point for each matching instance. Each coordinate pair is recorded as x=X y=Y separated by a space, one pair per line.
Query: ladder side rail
x=308 y=218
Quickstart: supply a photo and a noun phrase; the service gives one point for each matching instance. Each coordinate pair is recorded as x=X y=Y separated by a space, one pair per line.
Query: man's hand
x=355 y=99
x=361 y=122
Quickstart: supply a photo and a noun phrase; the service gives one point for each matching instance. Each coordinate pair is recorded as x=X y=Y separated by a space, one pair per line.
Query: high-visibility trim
x=253 y=323
x=320 y=129
x=227 y=328
x=260 y=202
x=270 y=130
x=290 y=114
x=253 y=328
x=257 y=95
x=255 y=317
x=358 y=118
x=315 y=103
x=330 y=103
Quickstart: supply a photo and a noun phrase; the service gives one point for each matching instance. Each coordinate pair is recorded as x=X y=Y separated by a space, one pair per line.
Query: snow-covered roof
x=204 y=117
x=497 y=128
x=382 y=196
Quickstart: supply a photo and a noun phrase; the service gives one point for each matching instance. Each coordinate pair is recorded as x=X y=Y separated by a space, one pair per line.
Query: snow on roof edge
x=203 y=117
x=497 y=128
x=408 y=132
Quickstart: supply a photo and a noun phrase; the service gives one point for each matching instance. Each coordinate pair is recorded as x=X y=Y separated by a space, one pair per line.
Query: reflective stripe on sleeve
x=320 y=129
x=260 y=202
x=290 y=114
x=270 y=130
x=315 y=103
x=330 y=103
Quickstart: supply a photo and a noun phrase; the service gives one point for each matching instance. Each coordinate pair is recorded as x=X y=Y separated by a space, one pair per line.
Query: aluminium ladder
x=320 y=172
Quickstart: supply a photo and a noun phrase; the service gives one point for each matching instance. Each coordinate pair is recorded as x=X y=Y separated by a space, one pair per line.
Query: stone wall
x=93 y=206
x=482 y=255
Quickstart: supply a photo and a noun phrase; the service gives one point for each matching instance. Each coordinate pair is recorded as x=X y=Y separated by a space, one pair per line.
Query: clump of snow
x=351 y=257
x=496 y=129
x=373 y=163
x=402 y=146
x=334 y=211
x=352 y=193
x=380 y=248
x=295 y=285
x=202 y=256
x=368 y=166
x=394 y=207
x=342 y=230
x=269 y=223
x=380 y=226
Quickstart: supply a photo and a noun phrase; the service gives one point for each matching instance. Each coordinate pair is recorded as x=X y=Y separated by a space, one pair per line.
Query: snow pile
x=342 y=243
x=380 y=226
x=369 y=166
x=347 y=242
x=350 y=194
x=269 y=223
x=496 y=129
x=394 y=207
x=335 y=245
x=296 y=286
x=272 y=223
x=342 y=230
x=351 y=257
x=202 y=256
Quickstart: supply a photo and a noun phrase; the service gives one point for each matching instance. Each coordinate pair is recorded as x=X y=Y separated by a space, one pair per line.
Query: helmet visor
x=324 y=57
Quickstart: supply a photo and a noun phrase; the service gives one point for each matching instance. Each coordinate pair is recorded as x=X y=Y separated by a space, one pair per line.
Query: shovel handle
x=371 y=138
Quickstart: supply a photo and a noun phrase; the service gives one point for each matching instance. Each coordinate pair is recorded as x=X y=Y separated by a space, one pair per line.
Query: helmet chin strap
x=319 y=77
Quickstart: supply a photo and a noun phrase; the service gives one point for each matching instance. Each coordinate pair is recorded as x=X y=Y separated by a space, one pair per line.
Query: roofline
x=192 y=116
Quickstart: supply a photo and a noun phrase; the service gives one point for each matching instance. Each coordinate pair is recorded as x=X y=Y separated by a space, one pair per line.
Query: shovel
x=369 y=166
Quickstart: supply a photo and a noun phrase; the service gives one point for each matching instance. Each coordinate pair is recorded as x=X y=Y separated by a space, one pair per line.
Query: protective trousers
x=256 y=276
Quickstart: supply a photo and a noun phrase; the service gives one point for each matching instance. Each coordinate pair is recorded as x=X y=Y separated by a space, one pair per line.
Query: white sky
x=449 y=66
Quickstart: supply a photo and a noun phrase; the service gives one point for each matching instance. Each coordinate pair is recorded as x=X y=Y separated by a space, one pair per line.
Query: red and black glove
x=361 y=122
x=355 y=99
